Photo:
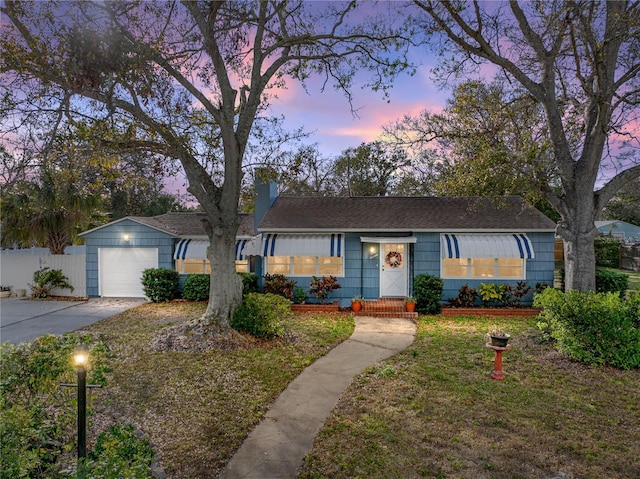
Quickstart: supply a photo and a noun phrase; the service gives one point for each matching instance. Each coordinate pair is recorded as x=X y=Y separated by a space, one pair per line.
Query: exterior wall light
x=126 y=237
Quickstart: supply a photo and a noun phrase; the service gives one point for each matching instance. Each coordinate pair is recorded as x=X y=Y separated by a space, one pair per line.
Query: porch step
x=385 y=308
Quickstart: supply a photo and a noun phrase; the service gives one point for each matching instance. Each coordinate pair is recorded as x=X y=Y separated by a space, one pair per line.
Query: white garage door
x=120 y=270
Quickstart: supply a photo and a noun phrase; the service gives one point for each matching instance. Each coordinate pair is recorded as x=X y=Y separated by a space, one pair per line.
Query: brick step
x=387 y=314
x=385 y=308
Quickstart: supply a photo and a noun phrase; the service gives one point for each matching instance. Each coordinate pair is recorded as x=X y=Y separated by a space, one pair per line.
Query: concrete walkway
x=278 y=445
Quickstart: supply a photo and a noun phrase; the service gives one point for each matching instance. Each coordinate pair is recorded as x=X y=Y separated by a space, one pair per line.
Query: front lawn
x=432 y=411
x=197 y=407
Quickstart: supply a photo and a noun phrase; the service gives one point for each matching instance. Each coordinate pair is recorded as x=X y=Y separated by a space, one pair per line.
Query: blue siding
x=362 y=268
x=111 y=236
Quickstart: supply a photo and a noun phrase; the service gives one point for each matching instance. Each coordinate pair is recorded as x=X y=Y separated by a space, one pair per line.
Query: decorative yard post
x=497 y=374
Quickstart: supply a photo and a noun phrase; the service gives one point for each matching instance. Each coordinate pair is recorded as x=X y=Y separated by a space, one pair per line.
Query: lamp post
x=80 y=360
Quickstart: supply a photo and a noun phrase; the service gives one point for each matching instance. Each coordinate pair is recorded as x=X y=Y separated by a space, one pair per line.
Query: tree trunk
x=225 y=290
x=580 y=263
x=578 y=231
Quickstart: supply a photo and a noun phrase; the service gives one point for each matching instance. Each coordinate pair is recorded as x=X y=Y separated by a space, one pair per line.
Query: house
x=627 y=232
x=118 y=252
x=375 y=246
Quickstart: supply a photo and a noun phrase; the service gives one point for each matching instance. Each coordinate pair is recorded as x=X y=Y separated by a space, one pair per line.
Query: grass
x=431 y=411
x=197 y=408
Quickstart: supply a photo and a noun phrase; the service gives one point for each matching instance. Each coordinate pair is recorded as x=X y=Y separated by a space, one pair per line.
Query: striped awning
x=194 y=249
x=515 y=245
x=302 y=245
x=191 y=249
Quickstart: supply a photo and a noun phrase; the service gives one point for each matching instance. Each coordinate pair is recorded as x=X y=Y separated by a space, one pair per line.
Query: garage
x=120 y=270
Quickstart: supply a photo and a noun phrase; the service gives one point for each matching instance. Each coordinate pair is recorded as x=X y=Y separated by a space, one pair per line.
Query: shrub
x=196 y=287
x=46 y=280
x=249 y=283
x=514 y=296
x=160 y=284
x=492 y=293
x=611 y=281
x=428 y=292
x=119 y=453
x=466 y=297
x=261 y=315
x=607 y=251
x=299 y=295
x=321 y=288
x=594 y=328
x=279 y=284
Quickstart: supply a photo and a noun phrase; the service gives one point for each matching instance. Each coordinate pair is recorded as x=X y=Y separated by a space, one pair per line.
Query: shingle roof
x=510 y=213
x=185 y=224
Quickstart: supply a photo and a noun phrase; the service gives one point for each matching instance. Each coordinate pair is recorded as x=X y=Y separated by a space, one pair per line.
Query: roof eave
x=130 y=218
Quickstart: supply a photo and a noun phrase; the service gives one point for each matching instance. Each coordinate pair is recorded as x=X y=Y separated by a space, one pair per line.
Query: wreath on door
x=393 y=259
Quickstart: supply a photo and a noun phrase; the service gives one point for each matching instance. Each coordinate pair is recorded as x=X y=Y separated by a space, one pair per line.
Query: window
x=202 y=266
x=304 y=265
x=484 y=256
x=483 y=268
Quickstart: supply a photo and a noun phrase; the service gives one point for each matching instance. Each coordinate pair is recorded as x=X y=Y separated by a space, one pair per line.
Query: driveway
x=24 y=319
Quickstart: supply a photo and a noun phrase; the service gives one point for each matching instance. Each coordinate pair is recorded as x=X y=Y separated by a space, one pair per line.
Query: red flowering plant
x=321 y=288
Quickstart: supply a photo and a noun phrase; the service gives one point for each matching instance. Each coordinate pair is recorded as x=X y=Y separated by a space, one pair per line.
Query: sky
x=328 y=114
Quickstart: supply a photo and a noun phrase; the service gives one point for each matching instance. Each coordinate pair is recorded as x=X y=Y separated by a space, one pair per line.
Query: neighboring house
x=375 y=246
x=619 y=229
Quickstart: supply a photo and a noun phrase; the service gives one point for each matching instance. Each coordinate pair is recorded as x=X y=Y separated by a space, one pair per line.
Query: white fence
x=16 y=270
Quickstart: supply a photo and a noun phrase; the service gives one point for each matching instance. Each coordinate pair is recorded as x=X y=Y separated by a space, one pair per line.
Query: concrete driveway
x=24 y=319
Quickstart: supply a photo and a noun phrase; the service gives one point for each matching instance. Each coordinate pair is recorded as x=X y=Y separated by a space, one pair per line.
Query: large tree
x=489 y=140
x=188 y=79
x=580 y=61
x=371 y=169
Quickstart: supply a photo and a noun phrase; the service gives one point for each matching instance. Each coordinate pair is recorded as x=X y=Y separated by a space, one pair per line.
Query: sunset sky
x=328 y=114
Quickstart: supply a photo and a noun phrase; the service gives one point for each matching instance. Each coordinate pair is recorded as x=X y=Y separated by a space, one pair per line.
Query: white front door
x=393 y=270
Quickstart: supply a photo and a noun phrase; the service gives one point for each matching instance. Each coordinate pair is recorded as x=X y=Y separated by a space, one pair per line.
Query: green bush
x=279 y=284
x=160 y=284
x=593 y=328
x=492 y=293
x=249 y=283
x=261 y=315
x=607 y=249
x=196 y=287
x=120 y=454
x=427 y=290
x=611 y=281
x=46 y=279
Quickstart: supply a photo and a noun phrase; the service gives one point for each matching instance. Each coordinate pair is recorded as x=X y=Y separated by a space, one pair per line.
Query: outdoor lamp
x=126 y=237
x=81 y=360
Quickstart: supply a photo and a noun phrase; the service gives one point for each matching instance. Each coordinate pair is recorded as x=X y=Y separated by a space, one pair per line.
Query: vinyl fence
x=630 y=257
x=16 y=270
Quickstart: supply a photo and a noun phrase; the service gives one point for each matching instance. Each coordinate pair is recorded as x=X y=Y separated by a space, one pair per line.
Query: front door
x=393 y=270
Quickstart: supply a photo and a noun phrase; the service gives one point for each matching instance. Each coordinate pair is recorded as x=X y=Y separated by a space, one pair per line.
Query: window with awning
x=303 y=254
x=191 y=256
x=498 y=256
x=303 y=245
x=515 y=245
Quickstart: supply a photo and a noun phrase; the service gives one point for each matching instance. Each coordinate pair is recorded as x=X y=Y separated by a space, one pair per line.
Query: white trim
x=388 y=239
